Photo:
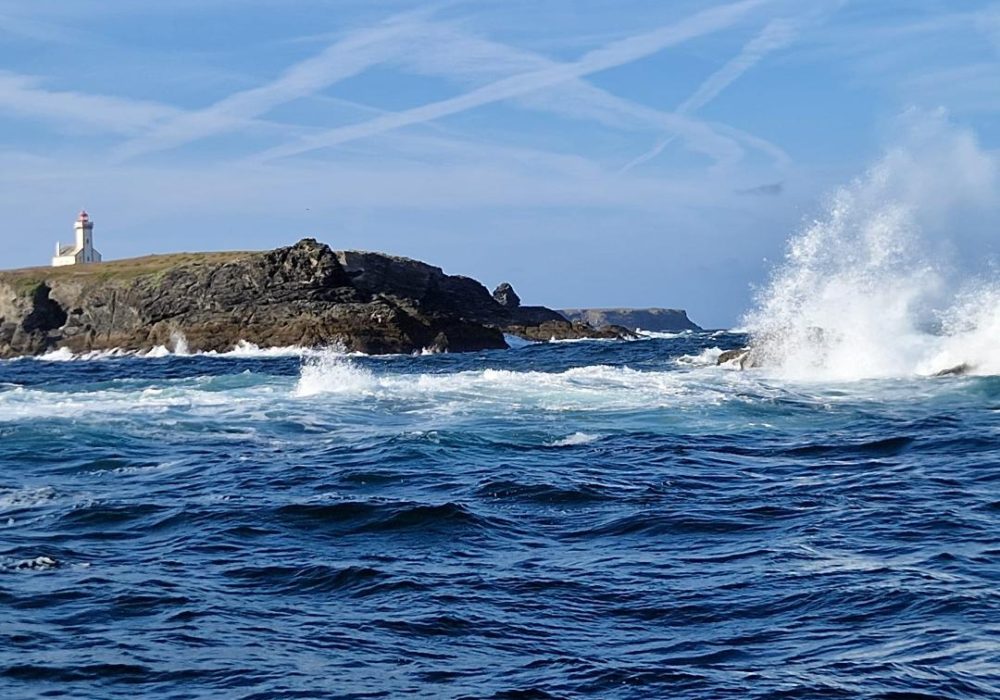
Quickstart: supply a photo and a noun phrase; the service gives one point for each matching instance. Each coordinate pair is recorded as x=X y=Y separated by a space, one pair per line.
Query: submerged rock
x=305 y=295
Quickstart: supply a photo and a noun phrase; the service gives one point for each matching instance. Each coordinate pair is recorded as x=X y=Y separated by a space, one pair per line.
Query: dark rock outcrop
x=653 y=319
x=741 y=357
x=306 y=294
x=505 y=295
x=956 y=371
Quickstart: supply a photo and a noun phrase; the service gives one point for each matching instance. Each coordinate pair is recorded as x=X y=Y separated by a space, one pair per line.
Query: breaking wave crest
x=594 y=387
x=863 y=293
x=331 y=372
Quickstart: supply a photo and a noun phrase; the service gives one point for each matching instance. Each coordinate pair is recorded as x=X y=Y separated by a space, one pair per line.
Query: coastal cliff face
x=653 y=319
x=306 y=295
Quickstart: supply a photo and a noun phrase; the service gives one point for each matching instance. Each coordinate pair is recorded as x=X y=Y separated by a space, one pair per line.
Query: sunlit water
x=613 y=519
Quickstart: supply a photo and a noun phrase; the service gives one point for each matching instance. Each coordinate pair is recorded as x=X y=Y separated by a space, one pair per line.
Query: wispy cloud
x=967 y=88
x=24 y=95
x=457 y=55
x=989 y=23
x=775 y=35
x=343 y=59
x=35 y=30
x=612 y=55
x=900 y=44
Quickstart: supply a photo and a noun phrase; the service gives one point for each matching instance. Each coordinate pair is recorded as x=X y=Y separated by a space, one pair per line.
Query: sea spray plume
x=847 y=283
x=970 y=333
x=856 y=289
x=179 y=343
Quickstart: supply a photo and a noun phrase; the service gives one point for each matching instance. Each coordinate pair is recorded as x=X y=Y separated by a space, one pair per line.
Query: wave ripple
x=615 y=520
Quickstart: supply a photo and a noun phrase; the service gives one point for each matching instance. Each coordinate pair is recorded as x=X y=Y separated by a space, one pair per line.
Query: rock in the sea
x=506 y=296
x=956 y=371
x=305 y=294
x=561 y=330
x=653 y=319
x=744 y=358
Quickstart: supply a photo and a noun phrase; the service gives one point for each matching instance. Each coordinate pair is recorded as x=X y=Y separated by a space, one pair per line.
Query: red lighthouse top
x=84 y=216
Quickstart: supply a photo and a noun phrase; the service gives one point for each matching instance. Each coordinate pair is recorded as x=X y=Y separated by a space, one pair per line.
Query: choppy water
x=599 y=518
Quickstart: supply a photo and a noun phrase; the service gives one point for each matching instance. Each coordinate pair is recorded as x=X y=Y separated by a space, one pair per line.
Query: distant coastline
x=647 y=319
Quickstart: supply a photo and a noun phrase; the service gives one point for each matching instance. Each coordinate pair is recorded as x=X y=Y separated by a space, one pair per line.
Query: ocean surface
x=603 y=519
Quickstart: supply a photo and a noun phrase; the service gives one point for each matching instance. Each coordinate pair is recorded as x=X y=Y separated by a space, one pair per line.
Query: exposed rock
x=654 y=319
x=743 y=357
x=731 y=355
x=956 y=371
x=506 y=296
x=305 y=295
x=561 y=330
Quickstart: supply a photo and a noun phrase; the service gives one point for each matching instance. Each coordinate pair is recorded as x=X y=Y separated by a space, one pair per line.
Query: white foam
x=575 y=439
x=708 y=357
x=64 y=355
x=333 y=373
x=556 y=340
x=245 y=350
x=661 y=335
x=515 y=341
x=179 y=348
x=41 y=563
x=60 y=355
x=596 y=387
x=192 y=396
x=331 y=378
x=11 y=499
x=857 y=290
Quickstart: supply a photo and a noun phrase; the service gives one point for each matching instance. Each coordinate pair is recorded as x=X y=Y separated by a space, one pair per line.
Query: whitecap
x=708 y=357
x=40 y=563
x=332 y=373
x=515 y=342
x=661 y=335
x=60 y=355
x=26 y=497
x=574 y=440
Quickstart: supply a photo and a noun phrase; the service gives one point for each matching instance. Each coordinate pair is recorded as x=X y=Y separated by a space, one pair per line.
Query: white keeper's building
x=82 y=251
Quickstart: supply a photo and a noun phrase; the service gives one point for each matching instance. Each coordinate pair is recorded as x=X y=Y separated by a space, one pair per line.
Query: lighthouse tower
x=82 y=250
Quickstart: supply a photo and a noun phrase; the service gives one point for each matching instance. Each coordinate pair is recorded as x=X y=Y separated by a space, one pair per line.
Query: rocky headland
x=303 y=295
x=653 y=319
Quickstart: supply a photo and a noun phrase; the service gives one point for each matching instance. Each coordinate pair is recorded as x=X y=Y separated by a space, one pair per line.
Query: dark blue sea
x=590 y=519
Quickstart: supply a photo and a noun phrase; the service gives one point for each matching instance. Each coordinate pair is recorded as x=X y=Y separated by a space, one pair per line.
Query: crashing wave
x=862 y=294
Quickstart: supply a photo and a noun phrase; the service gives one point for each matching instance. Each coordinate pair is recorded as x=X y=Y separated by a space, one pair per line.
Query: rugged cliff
x=306 y=294
x=661 y=320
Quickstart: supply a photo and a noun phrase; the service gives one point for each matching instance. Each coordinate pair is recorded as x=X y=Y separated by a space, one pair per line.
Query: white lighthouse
x=82 y=251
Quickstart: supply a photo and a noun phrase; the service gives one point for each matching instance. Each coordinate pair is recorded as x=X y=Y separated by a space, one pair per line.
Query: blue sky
x=593 y=153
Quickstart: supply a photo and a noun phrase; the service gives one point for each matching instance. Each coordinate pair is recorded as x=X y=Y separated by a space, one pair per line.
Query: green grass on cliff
x=27 y=279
